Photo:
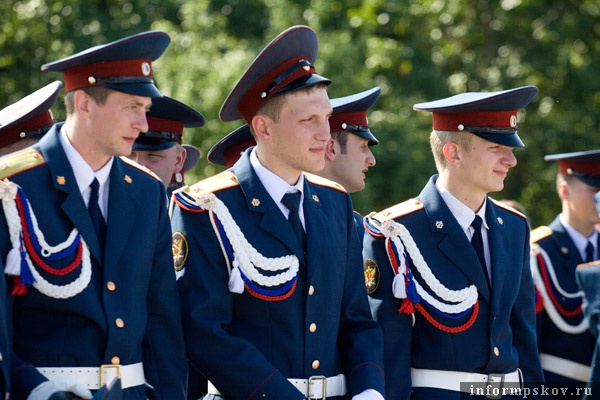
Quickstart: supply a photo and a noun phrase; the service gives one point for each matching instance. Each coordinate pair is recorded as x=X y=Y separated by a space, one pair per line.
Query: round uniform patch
x=180 y=250
x=371 y=271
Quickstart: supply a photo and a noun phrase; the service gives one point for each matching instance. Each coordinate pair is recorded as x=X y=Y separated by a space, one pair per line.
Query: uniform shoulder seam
x=508 y=208
x=140 y=167
x=320 y=181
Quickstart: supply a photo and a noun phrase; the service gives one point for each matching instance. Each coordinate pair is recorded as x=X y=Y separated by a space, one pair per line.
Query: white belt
x=315 y=387
x=564 y=367
x=94 y=378
x=451 y=380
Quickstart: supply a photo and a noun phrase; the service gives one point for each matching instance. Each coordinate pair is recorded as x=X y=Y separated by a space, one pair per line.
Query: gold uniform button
x=311 y=290
x=315 y=364
x=115 y=360
x=496 y=351
x=119 y=322
x=110 y=285
x=312 y=328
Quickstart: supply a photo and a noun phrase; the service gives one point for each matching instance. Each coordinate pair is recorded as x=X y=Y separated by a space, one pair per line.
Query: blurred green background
x=415 y=50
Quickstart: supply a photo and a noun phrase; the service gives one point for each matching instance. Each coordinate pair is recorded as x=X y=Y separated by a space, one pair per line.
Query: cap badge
x=146 y=70
x=91 y=80
x=513 y=121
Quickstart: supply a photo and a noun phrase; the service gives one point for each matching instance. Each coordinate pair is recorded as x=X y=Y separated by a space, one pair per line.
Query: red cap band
x=83 y=75
x=165 y=125
x=252 y=101
x=234 y=152
x=496 y=119
x=353 y=118
x=13 y=134
x=591 y=168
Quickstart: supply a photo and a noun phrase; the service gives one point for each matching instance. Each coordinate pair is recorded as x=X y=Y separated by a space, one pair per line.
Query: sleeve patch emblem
x=371 y=272
x=180 y=250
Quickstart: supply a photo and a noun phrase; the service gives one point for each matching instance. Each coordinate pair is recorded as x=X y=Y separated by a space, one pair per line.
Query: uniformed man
x=587 y=276
x=564 y=340
x=272 y=298
x=457 y=316
x=21 y=124
x=86 y=236
x=348 y=155
x=24 y=122
x=161 y=149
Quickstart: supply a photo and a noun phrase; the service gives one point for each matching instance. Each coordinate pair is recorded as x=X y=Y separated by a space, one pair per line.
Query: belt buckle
x=104 y=368
x=316 y=378
x=494 y=382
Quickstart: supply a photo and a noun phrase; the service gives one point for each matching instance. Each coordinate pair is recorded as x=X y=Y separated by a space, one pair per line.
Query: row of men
x=271 y=309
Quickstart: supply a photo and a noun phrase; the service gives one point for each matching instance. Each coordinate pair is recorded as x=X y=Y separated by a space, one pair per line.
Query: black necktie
x=96 y=214
x=292 y=202
x=477 y=242
x=589 y=252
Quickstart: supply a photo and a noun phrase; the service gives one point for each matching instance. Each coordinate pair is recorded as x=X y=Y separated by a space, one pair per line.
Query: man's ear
x=81 y=102
x=261 y=127
x=180 y=159
x=563 y=190
x=452 y=153
x=331 y=151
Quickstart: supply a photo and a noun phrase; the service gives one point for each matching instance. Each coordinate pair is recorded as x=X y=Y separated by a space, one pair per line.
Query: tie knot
x=477 y=222
x=95 y=185
x=292 y=201
x=589 y=252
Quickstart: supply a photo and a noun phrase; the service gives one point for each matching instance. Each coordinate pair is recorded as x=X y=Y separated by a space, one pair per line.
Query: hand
x=60 y=389
x=369 y=394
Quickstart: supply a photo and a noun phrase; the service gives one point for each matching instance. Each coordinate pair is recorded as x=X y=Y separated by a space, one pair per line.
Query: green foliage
x=415 y=50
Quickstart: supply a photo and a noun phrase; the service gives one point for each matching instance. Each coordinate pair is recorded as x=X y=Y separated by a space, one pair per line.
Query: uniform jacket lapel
x=123 y=203
x=500 y=254
x=315 y=222
x=64 y=181
x=258 y=200
x=454 y=244
x=568 y=251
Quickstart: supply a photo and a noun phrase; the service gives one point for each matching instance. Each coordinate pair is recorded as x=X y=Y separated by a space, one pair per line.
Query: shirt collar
x=463 y=214
x=84 y=174
x=578 y=239
x=275 y=185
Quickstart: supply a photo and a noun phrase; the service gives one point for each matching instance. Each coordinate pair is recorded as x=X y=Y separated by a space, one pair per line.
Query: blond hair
x=438 y=139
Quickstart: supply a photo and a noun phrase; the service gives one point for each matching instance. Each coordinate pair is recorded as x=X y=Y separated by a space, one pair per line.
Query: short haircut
x=98 y=93
x=342 y=139
x=273 y=107
x=437 y=140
